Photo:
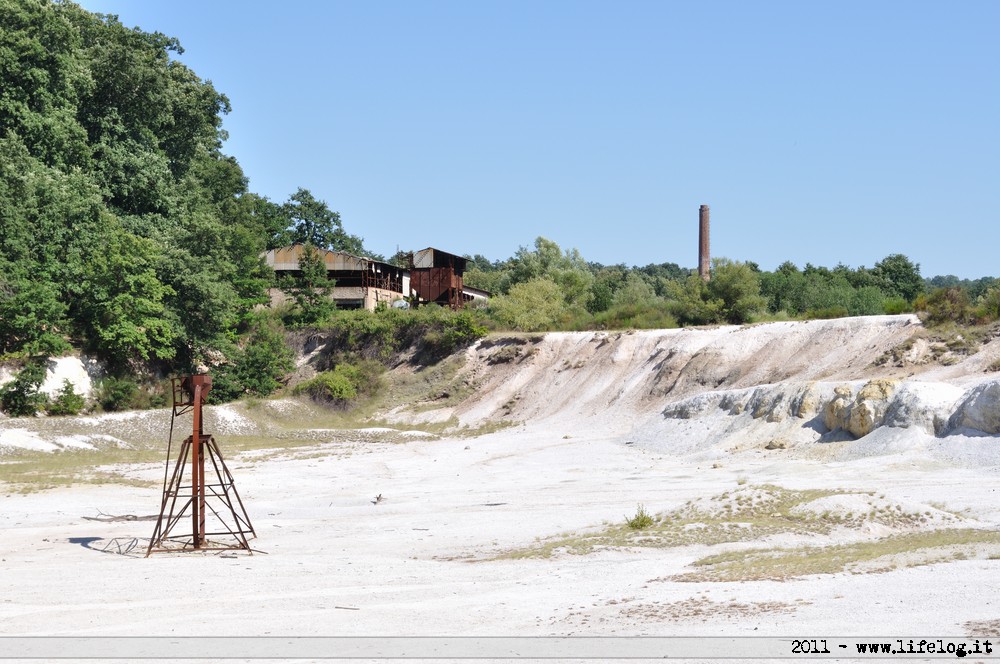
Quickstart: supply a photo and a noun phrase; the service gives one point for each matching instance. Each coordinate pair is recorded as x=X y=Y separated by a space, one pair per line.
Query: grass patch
x=898 y=551
x=30 y=471
x=745 y=514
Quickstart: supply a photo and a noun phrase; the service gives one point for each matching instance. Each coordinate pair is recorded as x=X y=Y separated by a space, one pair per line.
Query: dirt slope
x=731 y=388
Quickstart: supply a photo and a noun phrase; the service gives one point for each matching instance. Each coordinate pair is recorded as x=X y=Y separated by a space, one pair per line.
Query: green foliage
x=988 y=304
x=946 y=305
x=640 y=520
x=383 y=335
x=548 y=262
x=867 y=301
x=314 y=223
x=31 y=316
x=311 y=290
x=691 y=302
x=122 y=305
x=895 y=305
x=737 y=287
x=899 y=276
x=66 y=402
x=254 y=367
x=530 y=306
x=453 y=332
x=835 y=311
x=654 y=315
x=344 y=383
x=20 y=397
x=117 y=394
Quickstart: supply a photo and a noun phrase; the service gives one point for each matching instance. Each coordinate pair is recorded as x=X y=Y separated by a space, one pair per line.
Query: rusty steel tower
x=213 y=504
x=704 y=260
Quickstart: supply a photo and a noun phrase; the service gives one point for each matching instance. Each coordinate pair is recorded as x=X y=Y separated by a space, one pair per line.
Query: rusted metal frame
x=197 y=446
x=197 y=468
x=175 y=479
x=232 y=485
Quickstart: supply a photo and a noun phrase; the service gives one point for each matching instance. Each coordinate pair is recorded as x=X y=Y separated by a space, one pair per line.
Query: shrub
x=344 y=383
x=256 y=364
x=454 y=332
x=641 y=520
x=654 y=314
x=946 y=305
x=67 y=402
x=531 y=306
x=115 y=394
x=895 y=305
x=21 y=397
x=828 y=312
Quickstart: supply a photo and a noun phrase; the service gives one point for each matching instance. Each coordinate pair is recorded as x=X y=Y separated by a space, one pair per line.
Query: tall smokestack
x=704 y=260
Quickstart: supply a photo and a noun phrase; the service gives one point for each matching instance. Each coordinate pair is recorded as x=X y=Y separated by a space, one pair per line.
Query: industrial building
x=434 y=276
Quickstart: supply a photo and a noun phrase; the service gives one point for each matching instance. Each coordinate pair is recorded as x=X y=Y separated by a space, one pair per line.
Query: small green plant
x=641 y=520
x=67 y=401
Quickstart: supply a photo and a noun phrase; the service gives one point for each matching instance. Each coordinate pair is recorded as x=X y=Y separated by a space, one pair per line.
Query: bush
x=895 y=305
x=357 y=336
x=652 y=315
x=21 y=397
x=344 y=383
x=531 y=306
x=828 y=312
x=256 y=364
x=641 y=520
x=115 y=394
x=67 y=402
x=453 y=333
x=946 y=305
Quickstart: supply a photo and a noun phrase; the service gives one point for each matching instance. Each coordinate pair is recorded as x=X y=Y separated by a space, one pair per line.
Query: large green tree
x=313 y=222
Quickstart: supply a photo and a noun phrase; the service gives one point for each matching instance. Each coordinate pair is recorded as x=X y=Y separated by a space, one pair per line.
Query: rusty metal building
x=436 y=276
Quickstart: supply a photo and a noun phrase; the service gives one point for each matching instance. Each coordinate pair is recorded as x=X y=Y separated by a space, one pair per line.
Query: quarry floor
x=520 y=532
x=428 y=558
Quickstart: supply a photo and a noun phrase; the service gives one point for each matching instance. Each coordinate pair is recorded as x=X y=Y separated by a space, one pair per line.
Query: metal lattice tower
x=213 y=504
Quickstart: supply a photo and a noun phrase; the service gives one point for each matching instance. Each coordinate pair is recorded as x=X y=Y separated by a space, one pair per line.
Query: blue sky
x=824 y=132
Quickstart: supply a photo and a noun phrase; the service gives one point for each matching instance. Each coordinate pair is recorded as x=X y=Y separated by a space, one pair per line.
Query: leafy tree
x=867 y=301
x=547 y=261
x=20 y=397
x=530 y=306
x=314 y=223
x=634 y=292
x=691 y=302
x=31 y=317
x=256 y=367
x=737 y=287
x=311 y=289
x=785 y=289
x=946 y=305
x=898 y=275
x=122 y=309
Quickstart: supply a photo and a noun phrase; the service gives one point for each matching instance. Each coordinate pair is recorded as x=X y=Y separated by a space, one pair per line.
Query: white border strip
x=492 y=647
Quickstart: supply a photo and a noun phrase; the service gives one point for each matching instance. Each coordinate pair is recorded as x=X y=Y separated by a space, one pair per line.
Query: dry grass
x=898 y=551
x=752 y=513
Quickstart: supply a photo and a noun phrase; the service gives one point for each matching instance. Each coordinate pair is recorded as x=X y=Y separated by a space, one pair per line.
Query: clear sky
x=827 y=131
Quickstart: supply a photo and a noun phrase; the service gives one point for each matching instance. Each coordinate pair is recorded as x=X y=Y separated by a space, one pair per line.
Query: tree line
x=544 y=287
